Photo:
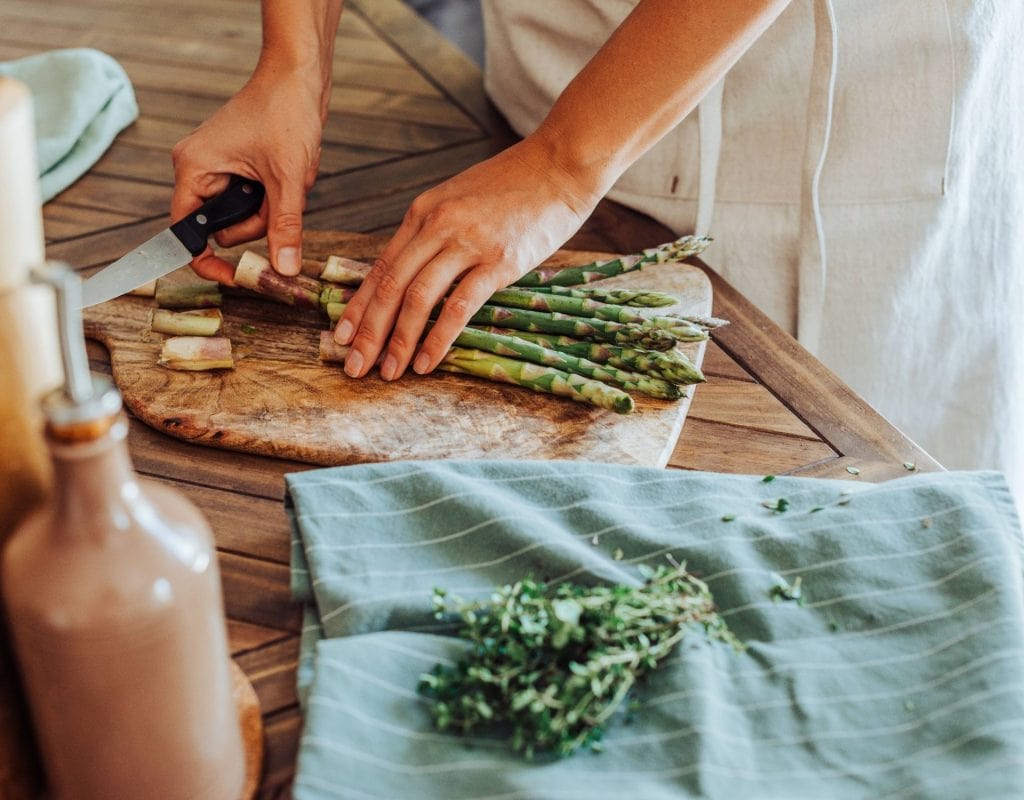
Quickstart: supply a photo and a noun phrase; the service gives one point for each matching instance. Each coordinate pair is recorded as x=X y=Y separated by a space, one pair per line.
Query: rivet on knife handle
x=238 y=202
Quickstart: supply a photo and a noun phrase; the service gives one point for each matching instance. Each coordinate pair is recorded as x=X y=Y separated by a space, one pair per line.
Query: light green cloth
x=82 y=100
x=902 y=675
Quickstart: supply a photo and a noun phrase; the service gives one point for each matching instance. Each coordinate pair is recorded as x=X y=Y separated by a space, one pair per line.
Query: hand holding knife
x=178 y=245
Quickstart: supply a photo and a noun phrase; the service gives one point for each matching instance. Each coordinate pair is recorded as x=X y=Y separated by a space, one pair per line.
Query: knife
x=176 y=246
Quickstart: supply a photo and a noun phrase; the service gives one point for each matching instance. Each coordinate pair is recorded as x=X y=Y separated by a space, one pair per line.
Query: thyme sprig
x=554 y=663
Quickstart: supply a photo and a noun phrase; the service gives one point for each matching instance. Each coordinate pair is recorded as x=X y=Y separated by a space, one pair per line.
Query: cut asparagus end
x=146 y=290
x=188 y=295
x=255 y=273
x=199 y=322
x=345 y=271
x=196 y=353
x=334 y=311
x=330 y=350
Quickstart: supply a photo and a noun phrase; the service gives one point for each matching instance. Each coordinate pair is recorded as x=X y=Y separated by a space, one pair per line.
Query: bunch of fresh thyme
x=554 y=663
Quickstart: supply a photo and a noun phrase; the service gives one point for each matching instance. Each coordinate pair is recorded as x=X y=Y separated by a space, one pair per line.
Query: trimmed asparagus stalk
x=187 y=295
x=515 y=347
x=344 y=271
x=671 y=366
x=196 y=353
x=598 y=329
x=539 y=378
x=255 y=273
x=638 y=298
x=586 y=273
x=200 y=322
x=507 y=370
x=146 y=290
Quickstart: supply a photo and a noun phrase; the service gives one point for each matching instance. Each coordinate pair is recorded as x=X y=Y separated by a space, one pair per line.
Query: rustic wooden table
x=407 y=111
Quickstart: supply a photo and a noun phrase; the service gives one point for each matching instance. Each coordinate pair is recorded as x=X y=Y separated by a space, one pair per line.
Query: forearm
x=644 y=81
x=298 y=37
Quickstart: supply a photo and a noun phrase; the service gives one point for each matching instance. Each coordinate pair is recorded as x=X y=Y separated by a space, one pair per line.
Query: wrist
x=590 y=168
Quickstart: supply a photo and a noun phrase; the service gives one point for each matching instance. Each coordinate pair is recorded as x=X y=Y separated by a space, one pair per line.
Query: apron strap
x=709 y=127
x=812 y=269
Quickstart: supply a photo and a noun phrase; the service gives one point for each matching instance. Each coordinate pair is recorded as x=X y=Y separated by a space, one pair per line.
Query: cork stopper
x=88 y=405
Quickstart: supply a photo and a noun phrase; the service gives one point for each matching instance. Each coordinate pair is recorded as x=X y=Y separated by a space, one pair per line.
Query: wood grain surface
x=281 y=400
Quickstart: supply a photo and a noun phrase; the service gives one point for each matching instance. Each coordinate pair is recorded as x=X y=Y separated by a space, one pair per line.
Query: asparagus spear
x=641 y=298
x=187 y=295
x=200 y=322
x=681 y=329
x=255 y=273
x=196 y=353
x=335 y=294
x=533 y=376
x=515 y=347
x=507 y=370
x=586 y=273
x=707 y=323
x=344 y=270
x=575 y=306
x=601 y=330
x=671 y=365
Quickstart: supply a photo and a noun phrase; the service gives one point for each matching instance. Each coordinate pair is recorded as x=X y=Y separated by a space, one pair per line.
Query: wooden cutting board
x=280 y=400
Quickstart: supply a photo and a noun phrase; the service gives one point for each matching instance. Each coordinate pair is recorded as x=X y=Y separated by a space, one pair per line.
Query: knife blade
x=177 y=245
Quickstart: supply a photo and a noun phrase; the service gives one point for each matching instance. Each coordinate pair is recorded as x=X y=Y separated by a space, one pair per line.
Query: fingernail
x=288 y=261
x=389 y=368
x=421 y=363
x=353 y=363
x=343 y=333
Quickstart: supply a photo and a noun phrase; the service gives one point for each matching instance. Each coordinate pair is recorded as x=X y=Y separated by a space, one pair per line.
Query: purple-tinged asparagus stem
x=199 y=322
x=255 y=273
x=187 y=295
x=345 y=271
x=196 y=353
x=330 y=350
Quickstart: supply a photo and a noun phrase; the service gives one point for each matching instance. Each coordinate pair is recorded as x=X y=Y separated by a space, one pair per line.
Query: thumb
x=284 y=227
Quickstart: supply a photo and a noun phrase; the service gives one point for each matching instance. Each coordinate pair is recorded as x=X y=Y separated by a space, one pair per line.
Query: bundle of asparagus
x=586 y=343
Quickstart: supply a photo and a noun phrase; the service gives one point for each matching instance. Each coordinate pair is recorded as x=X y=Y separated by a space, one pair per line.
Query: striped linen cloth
x=901 y=675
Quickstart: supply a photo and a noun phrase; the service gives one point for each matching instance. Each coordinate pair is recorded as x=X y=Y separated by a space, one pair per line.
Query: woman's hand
x=270 y=131
x=484 y=228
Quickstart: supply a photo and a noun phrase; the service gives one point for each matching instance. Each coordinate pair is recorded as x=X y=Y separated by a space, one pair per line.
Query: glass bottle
x=114 y=602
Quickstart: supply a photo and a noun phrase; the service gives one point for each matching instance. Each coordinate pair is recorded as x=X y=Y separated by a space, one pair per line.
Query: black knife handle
x=238 y=202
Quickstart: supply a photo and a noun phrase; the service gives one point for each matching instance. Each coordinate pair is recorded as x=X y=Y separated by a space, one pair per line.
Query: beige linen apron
x=862 y=171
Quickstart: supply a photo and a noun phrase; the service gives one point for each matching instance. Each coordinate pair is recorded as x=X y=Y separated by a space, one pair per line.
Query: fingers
x=466 y=299
x=375 y=312
x=209 y=266
x=286 y=201
x=422 y=296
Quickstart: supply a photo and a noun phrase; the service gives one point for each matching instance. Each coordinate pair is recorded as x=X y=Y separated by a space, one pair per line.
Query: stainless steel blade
x=160 y=255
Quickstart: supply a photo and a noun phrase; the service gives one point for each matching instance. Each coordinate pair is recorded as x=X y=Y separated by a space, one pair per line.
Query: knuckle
x=388 y=287
x=366 y=336
x=288 y=222
x=418 y=296
x=400 y=342
x=459 y=306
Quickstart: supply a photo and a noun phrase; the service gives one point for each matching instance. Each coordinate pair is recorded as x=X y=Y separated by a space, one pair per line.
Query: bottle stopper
x=88 y=404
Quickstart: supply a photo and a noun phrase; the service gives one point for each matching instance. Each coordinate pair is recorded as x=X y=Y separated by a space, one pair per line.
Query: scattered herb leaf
x=778 y=506
x=783 y=590
x=853 y=470
x=910 y=466
x=618 y=554
x=767 y=479
x=249 y=329
x=816 y=509
x=555 y=663
x=728 y=517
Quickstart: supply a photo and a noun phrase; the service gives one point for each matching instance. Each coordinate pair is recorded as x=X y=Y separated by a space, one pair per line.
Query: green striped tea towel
x=900 y=676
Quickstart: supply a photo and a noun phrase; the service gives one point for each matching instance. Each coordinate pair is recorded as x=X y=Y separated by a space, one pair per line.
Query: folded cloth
x=82 y=100
x=901 y=675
